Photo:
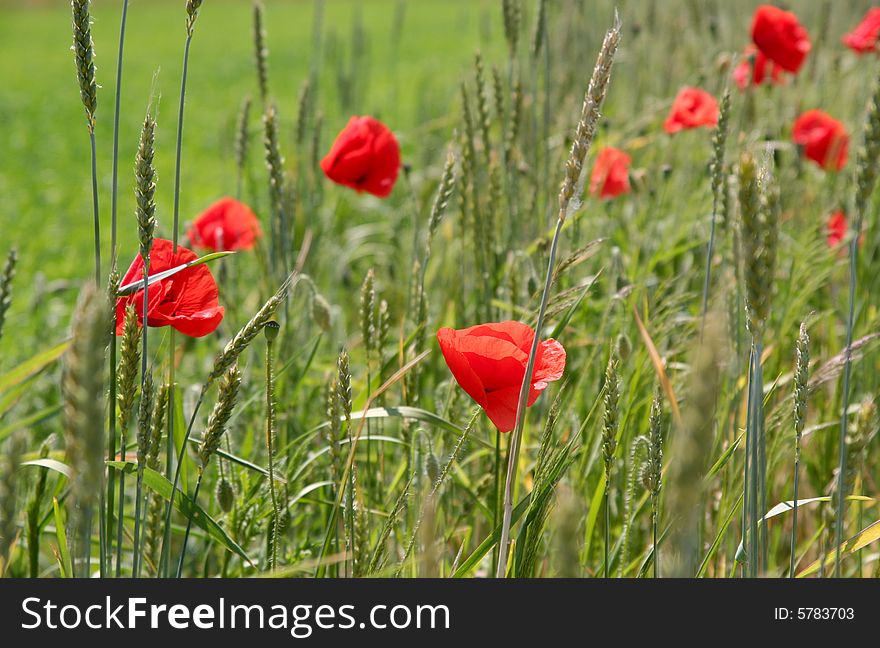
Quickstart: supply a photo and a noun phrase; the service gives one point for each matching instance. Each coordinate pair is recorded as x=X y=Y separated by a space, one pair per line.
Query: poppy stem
x=516 y=440
x=496 y=492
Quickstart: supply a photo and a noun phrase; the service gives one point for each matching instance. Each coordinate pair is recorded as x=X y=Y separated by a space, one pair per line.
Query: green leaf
x=862 y=539
x=61 y=536
x=785 y=507
x=593 y=514
x=720 y=535
x=373 y=438
x=560 y=326
x=32 y=366
x=486 y=545
x=134 y=286
x=159 y=484
x=724 y=458
x=50 y=464
x=412 y=413
x=28 y=421
x=241 y=462
x=180 y=425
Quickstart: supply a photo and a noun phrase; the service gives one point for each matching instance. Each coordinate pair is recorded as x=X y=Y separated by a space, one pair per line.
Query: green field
x=629 y=286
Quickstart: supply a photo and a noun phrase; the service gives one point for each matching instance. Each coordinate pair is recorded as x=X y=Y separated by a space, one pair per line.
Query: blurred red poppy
x=752 y=69
x=186 y=301
x=692 y=108
x=823 y=138
x=780 y=36
x=610 y=175
x=489 y=362
x=365 y=156
x=864 y=37
x=226 y=225
x=837 y=228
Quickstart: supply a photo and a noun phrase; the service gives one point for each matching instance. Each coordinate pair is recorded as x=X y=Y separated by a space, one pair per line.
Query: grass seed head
x=590 y=113
x=219 y=418
x=801 y=380
x=83 y=389
x=6 y=278
x=145 y=188
x=867 y=156
x=84 y=53
x=145 y=417
x=192 y=14
x=129 y=366
x=242 y=135
x=261 y=52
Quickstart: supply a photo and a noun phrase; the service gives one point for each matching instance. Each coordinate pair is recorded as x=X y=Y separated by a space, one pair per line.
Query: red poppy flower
x=864 y=37
x=692 y=108
x=836 y=227
x=365 y=156
x=752 y=69
x=489 y=362
x=610 y=175
x=186 y=300
x=823 y=138
x=226 y=225
x=780 y=36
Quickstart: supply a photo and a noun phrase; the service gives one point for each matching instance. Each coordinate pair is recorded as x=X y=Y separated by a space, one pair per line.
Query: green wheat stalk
x=585 y=131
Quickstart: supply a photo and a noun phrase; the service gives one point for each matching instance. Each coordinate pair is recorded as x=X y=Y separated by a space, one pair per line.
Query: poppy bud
x=225 y=495
x=321 y=312
x=432 y=467
x=271 y=329
x=624 y=346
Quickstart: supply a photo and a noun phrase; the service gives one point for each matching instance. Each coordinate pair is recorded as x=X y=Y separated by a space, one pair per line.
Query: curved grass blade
x=862 y=539
x=32 y=366
x=159 y=484
x=50 y=464
x=28 y=421
x=61 y=536
x=134 y=286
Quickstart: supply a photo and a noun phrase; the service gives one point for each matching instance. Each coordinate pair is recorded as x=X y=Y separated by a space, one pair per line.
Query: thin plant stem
x=109 y=499
x=176 y=225
x=95 y=208
x=710 y=250
x=111 y=437
x=115 y=182
x=120 y=514
x=189 y=520
x=140 y=471
x=847 y=370
x=163 y=561
x=513 y=455
x=181 y=455
x=270 y=448
x=655 y=513
x=496 y=493
x=607 y=531
x=794 y=512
